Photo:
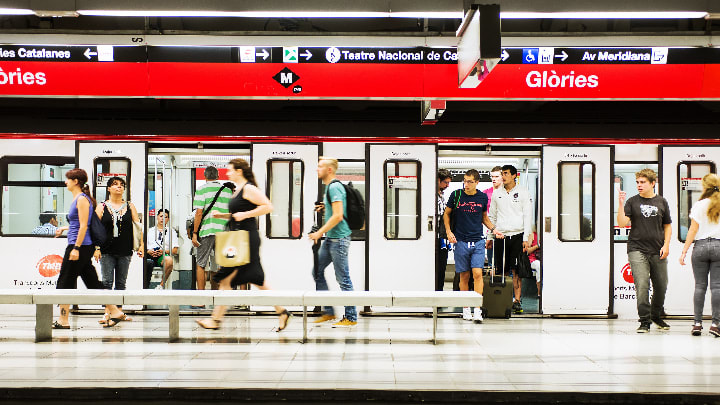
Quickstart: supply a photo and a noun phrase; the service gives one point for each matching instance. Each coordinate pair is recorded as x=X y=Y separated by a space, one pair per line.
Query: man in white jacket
x=511 y=212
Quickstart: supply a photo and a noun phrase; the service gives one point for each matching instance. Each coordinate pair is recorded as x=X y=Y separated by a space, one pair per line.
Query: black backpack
x=355 y=206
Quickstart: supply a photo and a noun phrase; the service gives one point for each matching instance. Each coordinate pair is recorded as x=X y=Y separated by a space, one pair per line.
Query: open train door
x=401 y=217
x=576 y=229
x=128 y=160
x=287 y=173
x=681 y=171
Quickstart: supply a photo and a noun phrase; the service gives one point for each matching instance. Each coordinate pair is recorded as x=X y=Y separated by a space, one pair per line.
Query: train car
x=574 y=188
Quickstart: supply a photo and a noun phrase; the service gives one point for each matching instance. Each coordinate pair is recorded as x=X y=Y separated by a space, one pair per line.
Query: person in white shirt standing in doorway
x=511 y=212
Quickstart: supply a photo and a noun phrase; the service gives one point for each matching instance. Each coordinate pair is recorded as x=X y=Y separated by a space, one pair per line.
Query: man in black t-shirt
x=648 y=246
x=470 y=211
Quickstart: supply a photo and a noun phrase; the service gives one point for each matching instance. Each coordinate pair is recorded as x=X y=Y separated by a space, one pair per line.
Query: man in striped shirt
x=204 y=233
x=49 y=222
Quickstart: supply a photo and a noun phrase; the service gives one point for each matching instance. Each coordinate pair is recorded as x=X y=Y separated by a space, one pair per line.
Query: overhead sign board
x=389 y=73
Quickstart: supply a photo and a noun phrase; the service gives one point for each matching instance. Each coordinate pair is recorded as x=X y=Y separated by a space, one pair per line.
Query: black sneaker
x=644 y=327
x=661 y=324
x=517 y=307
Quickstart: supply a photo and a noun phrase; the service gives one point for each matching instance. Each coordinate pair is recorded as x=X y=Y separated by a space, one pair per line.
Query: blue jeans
x=114 y=270
x=706 y=264
x=335 y=251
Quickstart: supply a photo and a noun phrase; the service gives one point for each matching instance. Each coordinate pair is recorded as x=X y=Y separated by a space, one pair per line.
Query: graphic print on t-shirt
x=648 y=210
x=470 y=206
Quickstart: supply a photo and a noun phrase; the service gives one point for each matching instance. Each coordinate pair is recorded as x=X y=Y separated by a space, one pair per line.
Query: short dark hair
x=211 y=173
x=113 y=179
x=511 y=169
x=164 y=210
x=444 y=174
x=474 y=173
x=46 y=217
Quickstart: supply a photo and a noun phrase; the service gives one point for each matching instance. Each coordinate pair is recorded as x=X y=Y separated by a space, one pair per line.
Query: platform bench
x=45 y=299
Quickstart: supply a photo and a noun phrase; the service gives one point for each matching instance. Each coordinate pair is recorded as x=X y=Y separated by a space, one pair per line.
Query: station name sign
x=387 y=73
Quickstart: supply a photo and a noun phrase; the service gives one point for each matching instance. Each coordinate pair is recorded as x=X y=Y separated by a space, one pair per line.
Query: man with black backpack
x=342 y=210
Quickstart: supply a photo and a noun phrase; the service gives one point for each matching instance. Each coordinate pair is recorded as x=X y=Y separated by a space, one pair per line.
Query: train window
x=402 y=199
x=107 y=168
x=576 y=201
x=351 y=172
x=285 y=190
x=689 y=175
x=34 y=197
x=625 y=181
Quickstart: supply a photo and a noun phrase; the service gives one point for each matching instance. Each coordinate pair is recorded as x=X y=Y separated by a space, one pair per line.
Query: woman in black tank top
x=248 y=202
x=117 y=215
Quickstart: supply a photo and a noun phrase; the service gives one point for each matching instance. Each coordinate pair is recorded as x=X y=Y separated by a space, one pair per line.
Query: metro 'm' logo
x=286 y=77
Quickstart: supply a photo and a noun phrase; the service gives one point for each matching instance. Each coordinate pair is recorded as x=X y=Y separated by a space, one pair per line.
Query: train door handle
x=431 y=219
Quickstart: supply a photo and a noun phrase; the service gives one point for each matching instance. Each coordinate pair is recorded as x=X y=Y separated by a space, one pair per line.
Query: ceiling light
x=606 y=14
x=16 y=11
x=251 y=14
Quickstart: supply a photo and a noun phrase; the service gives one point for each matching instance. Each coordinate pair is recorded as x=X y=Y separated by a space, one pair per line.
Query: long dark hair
x=244 y=166
x=81 y=176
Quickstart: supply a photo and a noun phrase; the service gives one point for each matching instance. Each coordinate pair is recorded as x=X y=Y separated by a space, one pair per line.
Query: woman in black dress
x=247 y=203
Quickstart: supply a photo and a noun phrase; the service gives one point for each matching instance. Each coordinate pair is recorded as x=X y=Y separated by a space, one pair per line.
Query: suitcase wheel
x=508 y=312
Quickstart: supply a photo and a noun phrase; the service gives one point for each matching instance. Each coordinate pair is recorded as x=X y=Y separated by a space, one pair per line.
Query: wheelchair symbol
x=530 y=58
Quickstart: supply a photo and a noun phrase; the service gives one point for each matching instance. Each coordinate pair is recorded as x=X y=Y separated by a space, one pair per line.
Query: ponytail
x=711 y=190
x=86 y=190
x=249 y=176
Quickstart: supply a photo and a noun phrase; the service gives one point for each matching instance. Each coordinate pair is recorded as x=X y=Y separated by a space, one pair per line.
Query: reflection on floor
x=381 y=353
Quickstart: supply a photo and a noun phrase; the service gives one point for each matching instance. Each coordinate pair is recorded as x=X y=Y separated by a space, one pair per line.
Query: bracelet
x=493 y=229
x=76 y=247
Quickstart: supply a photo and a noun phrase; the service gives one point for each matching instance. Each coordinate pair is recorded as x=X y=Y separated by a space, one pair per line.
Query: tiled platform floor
x=381 y=353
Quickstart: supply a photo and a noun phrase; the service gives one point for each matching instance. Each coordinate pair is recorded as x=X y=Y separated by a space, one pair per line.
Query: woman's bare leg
x=219 y=311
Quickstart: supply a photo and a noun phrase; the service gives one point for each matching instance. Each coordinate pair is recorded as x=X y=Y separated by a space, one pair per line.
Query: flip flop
x=200 y=322
x=284 y=325
x=114 y=321
x=58 y=325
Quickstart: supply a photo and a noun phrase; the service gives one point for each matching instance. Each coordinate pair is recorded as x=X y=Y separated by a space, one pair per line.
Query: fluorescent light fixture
x=378 y=14
x=606 y=15
x=16 y=11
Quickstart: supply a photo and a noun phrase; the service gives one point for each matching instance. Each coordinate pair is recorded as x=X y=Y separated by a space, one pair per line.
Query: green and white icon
x=290 y=54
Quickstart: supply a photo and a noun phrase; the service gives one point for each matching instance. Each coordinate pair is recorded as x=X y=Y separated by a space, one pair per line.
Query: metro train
x=572 y=185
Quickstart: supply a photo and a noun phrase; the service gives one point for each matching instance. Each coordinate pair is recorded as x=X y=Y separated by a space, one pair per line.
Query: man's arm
x=446 y=222
x=334 y=220
x=622 y=219
x=492 y=212
x=197 y=223
x=665 y=250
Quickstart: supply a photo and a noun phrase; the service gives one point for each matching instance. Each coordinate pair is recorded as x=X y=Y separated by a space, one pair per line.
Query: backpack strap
x=327 y=190
x=207 y=210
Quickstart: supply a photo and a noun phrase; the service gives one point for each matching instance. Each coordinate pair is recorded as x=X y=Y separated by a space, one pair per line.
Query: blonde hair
x=329 y=162
x=649 y=174
x=711 y=190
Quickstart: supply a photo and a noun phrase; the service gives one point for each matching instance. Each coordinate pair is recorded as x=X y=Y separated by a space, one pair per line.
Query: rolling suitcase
x=497 y=292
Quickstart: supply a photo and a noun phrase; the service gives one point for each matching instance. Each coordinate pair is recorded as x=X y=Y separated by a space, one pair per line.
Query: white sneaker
x=159 y=287
x=467 y=314
x=477 y=316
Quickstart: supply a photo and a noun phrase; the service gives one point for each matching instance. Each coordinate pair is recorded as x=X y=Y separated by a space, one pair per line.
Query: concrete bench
x=45 y=299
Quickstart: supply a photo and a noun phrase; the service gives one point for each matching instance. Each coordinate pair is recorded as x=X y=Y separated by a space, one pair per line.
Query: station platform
x=386 y=359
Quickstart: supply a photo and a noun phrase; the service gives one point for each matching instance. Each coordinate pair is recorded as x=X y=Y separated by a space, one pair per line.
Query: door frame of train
x=144 y=193
x=308 y=170
x=674 y=240
x=555 y=227
x=368 y=202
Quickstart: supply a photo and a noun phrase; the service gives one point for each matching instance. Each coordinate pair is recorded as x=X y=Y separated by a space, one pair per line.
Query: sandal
x=284 y=321
x=201 y=322
x=107 y=316
x=114 y=321
x=58 y=325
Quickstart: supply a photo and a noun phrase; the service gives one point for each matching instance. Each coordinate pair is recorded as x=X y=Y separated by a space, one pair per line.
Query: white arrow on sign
x=563 y=56
x=307 y=55
x=504 y=55
x=264 y=54
x=88 y=54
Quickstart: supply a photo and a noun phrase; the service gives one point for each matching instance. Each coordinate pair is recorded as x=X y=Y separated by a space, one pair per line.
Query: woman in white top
x=705 y=232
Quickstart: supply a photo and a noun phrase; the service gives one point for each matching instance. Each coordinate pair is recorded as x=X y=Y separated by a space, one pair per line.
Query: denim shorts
x=469 y=255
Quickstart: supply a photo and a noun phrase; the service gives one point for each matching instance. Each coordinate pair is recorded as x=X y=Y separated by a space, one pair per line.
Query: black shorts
x=83 y=268
x=513 y=245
